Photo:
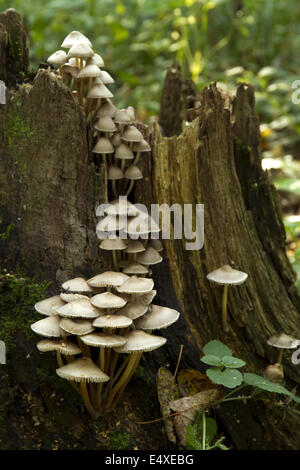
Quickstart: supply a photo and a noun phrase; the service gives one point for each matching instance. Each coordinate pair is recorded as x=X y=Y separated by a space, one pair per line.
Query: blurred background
x=228 y=41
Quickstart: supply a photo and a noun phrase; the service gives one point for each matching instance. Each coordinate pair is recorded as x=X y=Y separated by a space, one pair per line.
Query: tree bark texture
x=49 y=188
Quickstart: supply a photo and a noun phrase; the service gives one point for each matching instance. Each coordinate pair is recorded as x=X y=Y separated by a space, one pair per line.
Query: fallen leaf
x=167 y=390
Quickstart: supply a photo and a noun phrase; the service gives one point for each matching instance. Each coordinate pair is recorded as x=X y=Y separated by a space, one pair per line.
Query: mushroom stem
x=127 y=374
x=115 y=260
x=114 y=189
x=85 y=396
x=59 y=359
x=280 y=356
x=119 y=394
x=224 y=308
x=130 y=188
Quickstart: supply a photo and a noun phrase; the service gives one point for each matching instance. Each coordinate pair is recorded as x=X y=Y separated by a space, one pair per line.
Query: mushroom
x=135 y=268
x=78 y=285
x=76 y=326
x=107 y=300
x=283 y=341
x=49 y=306
x=274 y=372
x=226 y=276
x=157 y=318
x=149 y=257
x=81 y=308
x=84 y=370
x=136 y=285
x=48 y=327
x=108 y=279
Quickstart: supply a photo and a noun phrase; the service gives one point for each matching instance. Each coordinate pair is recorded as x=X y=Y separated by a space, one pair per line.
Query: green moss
x=17 y=128
x=121 y=440
x=18 y=294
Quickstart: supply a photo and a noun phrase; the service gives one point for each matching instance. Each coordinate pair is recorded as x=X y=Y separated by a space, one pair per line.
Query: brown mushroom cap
x=89 y=71
x=157 y=317
x=133 y=173
x=139 y=341
x=132 y=134
x=82 y=370
x=105 y=124
x=122 y=117
x=114 y=173
x=61 y=345
x=146 y=299
x=135 y=268
x=141 y=146
x=123 y=152
x=134 y=246
x=274 y=372
x=66 y=297
x=57 y=58
x=113 y=244
x=108 y=300
x=104 y=340
x=80 y=50
x=106 y=109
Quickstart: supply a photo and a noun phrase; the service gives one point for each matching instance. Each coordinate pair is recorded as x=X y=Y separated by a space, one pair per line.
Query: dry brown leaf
x=167 y=390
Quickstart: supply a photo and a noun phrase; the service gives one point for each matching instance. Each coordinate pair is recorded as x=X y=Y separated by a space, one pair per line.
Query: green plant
x=201 y=435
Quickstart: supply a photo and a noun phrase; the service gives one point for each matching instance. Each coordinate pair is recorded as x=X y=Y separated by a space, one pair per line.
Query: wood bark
x=49 y=187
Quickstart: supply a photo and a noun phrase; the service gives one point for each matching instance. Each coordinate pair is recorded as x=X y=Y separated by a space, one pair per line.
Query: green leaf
x=233 y=362
x=192 y=438
x=230 y=378
x=211 y=428
x=211 y=360
x=265 y=384
x=216 y=348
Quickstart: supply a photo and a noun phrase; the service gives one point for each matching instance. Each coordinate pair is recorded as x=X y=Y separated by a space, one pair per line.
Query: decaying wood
x=49 y=188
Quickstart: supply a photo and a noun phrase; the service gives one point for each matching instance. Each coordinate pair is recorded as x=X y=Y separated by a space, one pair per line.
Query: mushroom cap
x=120 y=207
x=108 y=279
x=116 y=138
x=283 y=341
x=74 y=37
x=81 y=308
x=76 y=326
x=123 y=152
x=122 y=117
x=48 y=327
x=106 y=109
x=113 y=244
x=98 y=91
x=157 y=317
x=106 y=78
x=58 y=344
x=130 y=110
x=80 y=50
x=133 y=173
x=82 y=370
x=96 y=59
x=146 y=299
x=88 y=71
x=139 y=341
x=133 y=310
x=68 y=69
x=103 y=146
x=227 y=275
x=49 y=306
x=135 y=268
x=156 y=244
x=71 y=297
x=274 y=372
x=108 y=300
x=76 y=286
x=136 y=285
x=142 y=224
x=103 y=339
x=149 y=257
x=141 y=146
x=105 y=124
x=134 y=246
x=57 y=58
x=111 y=223
x=132 y=134
x=112 y=321
x=114 y=173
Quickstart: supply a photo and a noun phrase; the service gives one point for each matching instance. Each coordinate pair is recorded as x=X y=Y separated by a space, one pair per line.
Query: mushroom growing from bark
x=282 y=342
x=226 y=276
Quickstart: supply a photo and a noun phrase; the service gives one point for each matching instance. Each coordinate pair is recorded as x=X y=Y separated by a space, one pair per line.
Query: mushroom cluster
x=108 y=321
x=100 y=327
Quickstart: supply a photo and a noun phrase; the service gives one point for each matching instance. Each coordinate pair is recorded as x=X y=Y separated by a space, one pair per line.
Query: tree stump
x=49 y=190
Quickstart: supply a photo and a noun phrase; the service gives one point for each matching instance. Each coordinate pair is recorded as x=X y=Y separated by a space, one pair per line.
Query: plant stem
x=224 y=308
x=203 y=430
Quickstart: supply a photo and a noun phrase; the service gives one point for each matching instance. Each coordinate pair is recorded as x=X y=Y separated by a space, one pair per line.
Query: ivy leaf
x=230 y=378
x=216 y=348
x=211 y=360
x=233 y=362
